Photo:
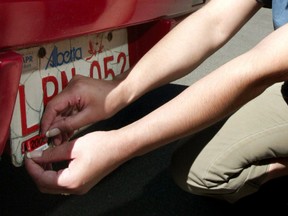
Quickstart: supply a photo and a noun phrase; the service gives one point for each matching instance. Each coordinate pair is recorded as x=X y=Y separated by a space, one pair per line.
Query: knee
x=187 y=176
x=193 y=175
x=193 y=183
x=197 y=182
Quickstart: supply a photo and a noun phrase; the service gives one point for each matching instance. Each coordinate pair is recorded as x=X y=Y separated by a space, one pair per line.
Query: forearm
x=187 y=46
x=212 y=98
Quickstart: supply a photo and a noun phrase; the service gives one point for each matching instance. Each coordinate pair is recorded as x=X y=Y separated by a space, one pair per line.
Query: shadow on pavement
x=141 y=187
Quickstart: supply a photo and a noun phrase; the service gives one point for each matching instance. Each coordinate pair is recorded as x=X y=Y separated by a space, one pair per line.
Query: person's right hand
x=83 y=101
x=90 y=158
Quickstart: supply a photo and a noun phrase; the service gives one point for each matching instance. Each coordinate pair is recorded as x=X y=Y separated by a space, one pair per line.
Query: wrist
x=123 y=93
x=118 y=98
x=132 y=141
x=123 y=145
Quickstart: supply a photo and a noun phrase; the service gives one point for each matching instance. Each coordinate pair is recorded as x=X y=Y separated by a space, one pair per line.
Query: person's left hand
x=82 y=102
x=91 y=157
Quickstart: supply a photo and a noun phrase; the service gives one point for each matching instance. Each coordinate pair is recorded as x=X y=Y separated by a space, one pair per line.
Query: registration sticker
x=47 y=70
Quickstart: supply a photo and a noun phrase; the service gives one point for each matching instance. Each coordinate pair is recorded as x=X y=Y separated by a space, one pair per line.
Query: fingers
x=62 y=124
x=53 y=132
x=47 y=180
x=40 y=176
x=65 y=126
x=63 y=105
x=58 y=137
x=70 y=180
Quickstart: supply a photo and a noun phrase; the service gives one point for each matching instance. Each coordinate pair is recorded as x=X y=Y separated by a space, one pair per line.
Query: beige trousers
x=230 y=159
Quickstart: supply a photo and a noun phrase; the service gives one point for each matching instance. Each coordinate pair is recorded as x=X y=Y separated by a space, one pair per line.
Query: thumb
x=69 y=124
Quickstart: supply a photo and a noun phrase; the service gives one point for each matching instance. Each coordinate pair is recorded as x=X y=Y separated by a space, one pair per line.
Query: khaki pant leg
x=229 y=159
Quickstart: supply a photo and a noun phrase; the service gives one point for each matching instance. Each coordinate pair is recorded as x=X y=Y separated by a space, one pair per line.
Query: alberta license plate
x=46 y=71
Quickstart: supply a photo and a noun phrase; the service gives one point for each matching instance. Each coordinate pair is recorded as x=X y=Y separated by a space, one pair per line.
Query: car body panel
x=24 y=23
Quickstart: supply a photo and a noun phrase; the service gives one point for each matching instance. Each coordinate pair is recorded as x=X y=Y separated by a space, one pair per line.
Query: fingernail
x=34 y=154
x=53 y=132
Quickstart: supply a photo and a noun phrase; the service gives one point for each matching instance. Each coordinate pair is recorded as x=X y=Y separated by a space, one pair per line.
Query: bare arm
x=176 y=55
x=210 y=99
x=187 y=46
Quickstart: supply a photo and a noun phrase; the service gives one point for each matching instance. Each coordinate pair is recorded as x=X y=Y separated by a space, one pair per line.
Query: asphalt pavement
x=143 y=186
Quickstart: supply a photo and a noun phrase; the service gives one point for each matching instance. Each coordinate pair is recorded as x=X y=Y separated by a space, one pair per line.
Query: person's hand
x=90 y=157
x=83 y=101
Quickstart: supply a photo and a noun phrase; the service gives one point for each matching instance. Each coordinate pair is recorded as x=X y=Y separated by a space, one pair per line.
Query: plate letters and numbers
x=47 y=70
